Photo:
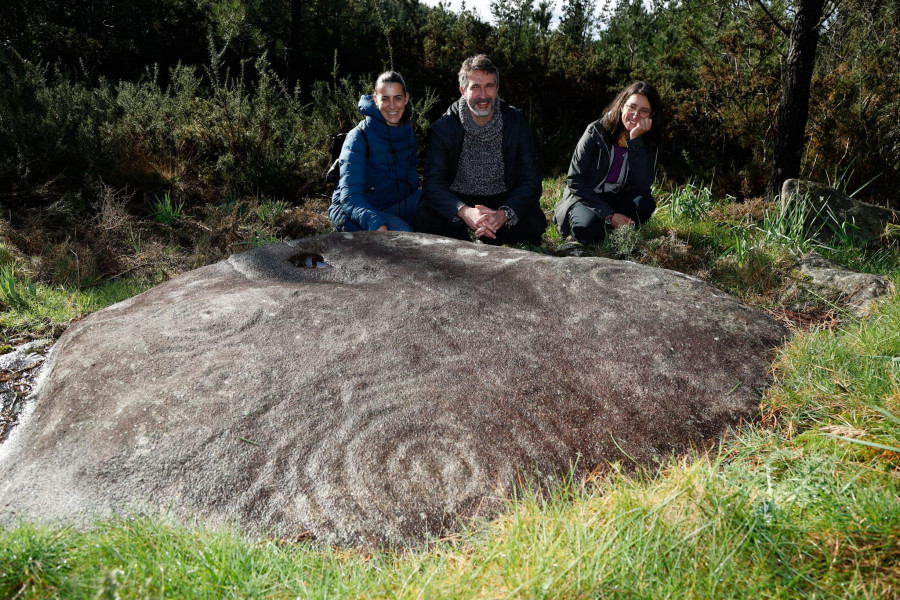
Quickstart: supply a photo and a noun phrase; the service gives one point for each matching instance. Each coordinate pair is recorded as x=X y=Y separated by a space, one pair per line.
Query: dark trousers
x=528 y=230
x=589 y=228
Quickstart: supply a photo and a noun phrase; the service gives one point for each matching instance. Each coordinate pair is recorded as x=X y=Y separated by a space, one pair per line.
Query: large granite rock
x=377 y=386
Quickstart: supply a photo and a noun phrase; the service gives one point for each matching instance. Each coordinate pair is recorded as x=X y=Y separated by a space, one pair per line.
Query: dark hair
x=391 y=77
x=612 y=114
x=479 y=62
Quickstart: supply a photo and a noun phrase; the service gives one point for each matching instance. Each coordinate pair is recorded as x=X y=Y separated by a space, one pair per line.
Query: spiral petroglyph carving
x=377 y=387
x=387 y=455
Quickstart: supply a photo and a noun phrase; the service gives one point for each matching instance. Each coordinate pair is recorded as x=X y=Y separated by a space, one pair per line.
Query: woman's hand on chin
x=643 y=126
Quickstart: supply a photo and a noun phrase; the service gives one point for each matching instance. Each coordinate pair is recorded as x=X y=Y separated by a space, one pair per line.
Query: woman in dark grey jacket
x=613 y=167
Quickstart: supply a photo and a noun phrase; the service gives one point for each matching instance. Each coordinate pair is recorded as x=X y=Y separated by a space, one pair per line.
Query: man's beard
x=481 y=112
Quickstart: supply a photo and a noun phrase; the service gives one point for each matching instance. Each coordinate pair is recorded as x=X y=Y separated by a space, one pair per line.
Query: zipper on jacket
x=609 y=154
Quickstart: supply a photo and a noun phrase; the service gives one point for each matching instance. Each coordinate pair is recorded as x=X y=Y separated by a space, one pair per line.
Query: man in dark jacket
x=481 y=173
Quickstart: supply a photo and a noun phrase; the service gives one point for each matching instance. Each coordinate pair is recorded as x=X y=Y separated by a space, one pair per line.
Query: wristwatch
x=511 y=218
x=608 y=220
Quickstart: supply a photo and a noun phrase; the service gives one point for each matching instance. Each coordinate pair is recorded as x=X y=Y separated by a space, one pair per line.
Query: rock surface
x=377 y=386
x=855 y=291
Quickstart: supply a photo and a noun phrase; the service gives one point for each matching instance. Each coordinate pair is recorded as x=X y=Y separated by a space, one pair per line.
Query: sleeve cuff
x=456 y=217
x=636 y=144
x=512 y=219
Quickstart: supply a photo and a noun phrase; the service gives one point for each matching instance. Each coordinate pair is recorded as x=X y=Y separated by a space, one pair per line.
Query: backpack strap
x=334 y=171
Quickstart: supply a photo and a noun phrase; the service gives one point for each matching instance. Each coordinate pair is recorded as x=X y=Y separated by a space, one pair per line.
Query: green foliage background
x=209 y=97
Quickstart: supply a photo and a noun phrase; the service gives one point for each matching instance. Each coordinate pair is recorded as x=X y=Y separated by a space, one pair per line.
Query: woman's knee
x=644 y=206
x=586 y=226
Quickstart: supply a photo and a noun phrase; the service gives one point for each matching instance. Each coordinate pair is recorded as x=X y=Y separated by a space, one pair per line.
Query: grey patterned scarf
x=480 y=171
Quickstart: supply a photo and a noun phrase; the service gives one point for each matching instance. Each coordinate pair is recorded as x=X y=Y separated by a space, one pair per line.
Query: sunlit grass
x=833 y=378
x=48 y=309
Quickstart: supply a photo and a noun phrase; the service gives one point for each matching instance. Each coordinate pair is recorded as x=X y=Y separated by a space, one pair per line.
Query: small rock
x=18 y=371
x=857 y=292
x=828 y=207
x=570 y=249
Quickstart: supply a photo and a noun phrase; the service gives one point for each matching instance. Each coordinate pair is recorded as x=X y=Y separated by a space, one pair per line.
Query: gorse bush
x=51 y=126
x=216 y=130
x=718 y=66
x=208 y=132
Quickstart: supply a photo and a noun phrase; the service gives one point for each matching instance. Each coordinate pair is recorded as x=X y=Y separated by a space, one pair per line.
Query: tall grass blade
x=866 y=443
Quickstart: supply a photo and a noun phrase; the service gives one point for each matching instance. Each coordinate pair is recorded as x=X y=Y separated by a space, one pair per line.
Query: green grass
x=45 y=310
x=164 y=210
x=691 y=202
x=835 y=378
x=16 y=289
x=269 y=211
x=801 y=504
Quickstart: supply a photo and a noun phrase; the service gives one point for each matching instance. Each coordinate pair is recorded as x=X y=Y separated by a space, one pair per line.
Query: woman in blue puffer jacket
x=379 y=186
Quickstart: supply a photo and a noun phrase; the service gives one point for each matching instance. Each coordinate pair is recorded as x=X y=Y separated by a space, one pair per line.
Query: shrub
x=51 y=128
x=209 y=130
x=243 y=132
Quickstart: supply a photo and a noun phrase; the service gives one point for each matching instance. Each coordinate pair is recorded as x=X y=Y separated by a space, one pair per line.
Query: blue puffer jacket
x=386 y=178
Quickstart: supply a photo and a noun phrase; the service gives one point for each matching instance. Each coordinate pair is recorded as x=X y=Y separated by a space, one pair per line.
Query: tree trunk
x=294 y=54
x=793 y=108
